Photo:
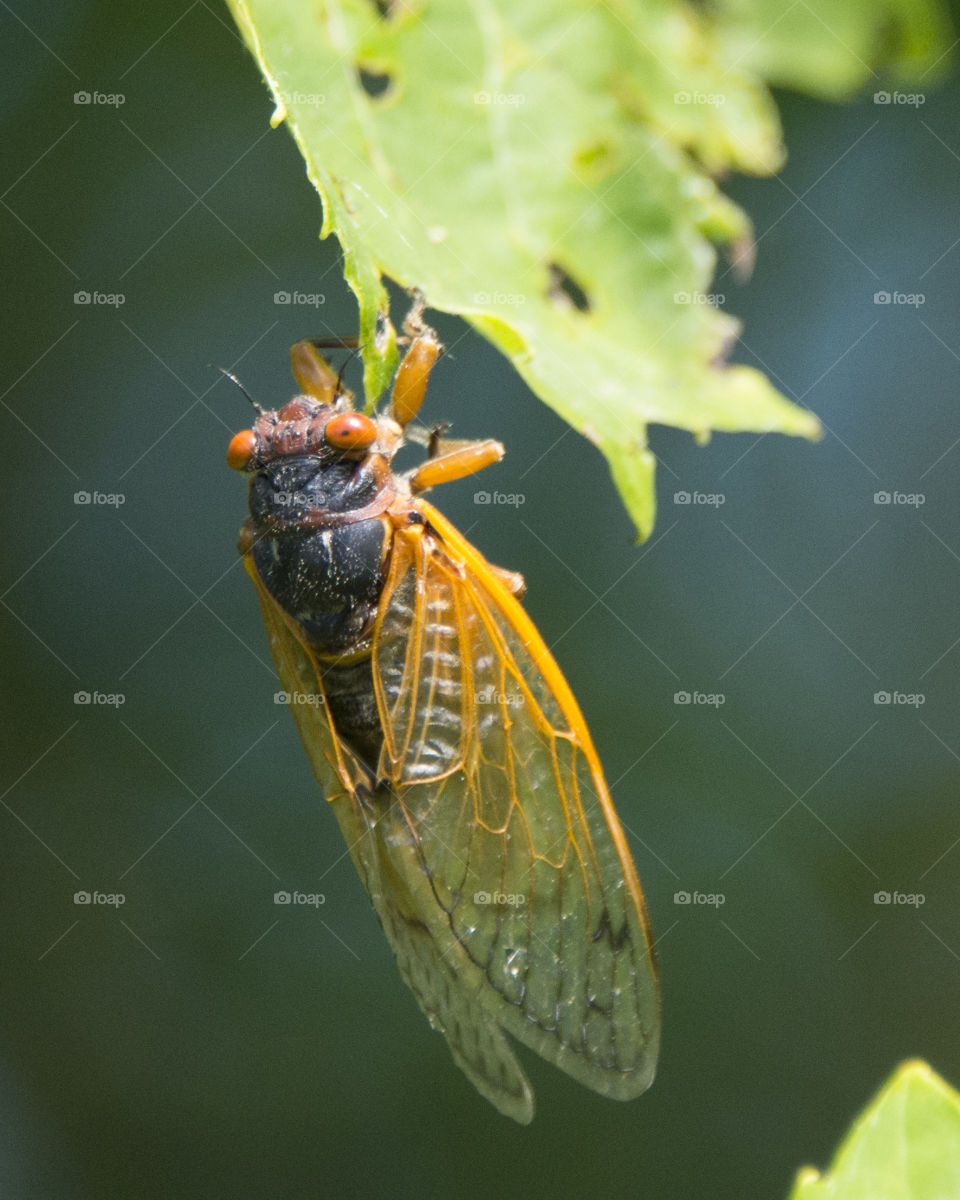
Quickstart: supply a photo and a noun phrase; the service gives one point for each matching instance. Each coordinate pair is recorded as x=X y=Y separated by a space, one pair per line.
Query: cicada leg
x=410 y=385
x=450 y=461
x=311 y=370
x=466 y=459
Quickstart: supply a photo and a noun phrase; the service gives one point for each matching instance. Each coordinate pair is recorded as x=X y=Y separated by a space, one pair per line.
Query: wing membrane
x=426 y=953
x=501 y=798
x=488 y=842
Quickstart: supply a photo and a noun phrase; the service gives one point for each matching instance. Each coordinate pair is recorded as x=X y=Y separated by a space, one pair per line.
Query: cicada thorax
x=320 y=539
x=320 y=558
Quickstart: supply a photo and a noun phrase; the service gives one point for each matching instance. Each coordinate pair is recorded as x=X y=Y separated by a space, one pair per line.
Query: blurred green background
x=199 y=1040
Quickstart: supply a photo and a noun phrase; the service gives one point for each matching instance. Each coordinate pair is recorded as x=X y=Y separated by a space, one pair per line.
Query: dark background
x=199 y=1041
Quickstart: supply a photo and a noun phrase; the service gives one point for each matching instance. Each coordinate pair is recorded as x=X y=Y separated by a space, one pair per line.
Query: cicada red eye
x=351 y=431
x=242 y=447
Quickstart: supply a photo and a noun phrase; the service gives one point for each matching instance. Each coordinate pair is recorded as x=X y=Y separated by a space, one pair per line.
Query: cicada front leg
x=449 y=460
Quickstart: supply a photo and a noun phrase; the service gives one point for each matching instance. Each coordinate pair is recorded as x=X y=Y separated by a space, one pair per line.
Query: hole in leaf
x=385 y=8
x=564 y=290
x=374 y=83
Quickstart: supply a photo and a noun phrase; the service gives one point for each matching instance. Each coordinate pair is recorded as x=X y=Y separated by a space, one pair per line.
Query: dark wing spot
x=617 y=938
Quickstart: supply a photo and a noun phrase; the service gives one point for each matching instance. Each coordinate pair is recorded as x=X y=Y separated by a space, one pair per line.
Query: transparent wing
x=501 y=808
x=426 y=950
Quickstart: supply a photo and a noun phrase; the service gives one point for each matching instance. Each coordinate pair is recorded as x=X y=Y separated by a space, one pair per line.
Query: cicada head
x=320 y=484
x=312 y=458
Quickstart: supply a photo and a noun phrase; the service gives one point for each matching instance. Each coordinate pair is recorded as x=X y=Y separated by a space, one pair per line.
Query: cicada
x=447 y=741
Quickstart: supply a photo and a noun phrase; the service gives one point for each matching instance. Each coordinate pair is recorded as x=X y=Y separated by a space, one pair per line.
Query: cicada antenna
x=233 y=379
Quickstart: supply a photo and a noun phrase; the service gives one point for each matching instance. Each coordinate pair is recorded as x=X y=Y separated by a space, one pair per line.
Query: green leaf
x=832 y=47
x=515 y=158
x=904 y=1146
